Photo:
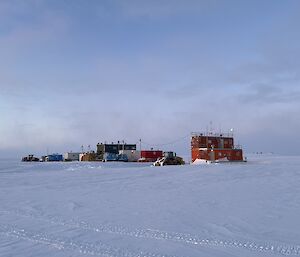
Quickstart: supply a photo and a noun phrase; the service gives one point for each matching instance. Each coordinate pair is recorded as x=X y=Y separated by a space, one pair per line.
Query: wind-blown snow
x=131 y=209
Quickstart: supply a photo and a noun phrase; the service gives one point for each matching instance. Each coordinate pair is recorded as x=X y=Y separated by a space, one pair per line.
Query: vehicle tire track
x=161 y=235
x=61 y=244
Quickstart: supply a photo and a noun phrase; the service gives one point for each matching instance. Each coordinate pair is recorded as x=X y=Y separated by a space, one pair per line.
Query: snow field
x=115 y=209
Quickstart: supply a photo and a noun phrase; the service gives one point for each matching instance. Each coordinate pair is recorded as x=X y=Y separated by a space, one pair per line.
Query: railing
x=238 y=147
x=229 y=134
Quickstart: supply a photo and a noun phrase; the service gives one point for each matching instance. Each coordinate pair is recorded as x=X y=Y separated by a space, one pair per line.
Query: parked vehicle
x=30 y=158
x=169 y=158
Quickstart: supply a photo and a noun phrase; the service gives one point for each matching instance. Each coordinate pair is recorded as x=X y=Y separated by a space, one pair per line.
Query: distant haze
x=76 y=72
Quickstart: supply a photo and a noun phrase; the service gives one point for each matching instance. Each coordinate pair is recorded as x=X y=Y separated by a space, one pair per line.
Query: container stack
x=214 y=148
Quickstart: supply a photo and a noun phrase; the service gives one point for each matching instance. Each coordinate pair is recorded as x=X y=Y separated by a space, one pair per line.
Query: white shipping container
x=132 y=155
x=71 y=156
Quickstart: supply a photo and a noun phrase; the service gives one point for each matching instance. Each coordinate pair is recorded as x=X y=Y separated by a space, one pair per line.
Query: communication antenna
x=211 y=127
x=82 y=149
x=140 y=144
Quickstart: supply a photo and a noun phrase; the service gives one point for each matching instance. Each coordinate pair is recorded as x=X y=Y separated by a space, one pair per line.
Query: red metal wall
x=212 y=141
x=199 y=154
x=231 y=154
x=228 y=142
x=199 y=142
x=149 y=154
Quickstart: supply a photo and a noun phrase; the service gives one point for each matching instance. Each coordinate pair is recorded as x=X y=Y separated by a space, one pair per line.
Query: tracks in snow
x=159 y=235
x=96 y=249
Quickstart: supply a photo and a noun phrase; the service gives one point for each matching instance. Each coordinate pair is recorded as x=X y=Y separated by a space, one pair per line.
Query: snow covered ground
x=125 y=209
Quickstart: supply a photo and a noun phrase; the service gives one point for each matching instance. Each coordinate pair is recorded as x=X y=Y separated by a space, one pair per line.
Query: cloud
x=69 y=76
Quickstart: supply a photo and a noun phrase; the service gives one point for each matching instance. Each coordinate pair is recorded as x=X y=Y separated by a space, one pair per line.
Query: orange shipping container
x=217 y=154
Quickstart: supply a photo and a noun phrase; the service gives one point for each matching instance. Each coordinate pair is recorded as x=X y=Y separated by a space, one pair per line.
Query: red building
x=214 y=147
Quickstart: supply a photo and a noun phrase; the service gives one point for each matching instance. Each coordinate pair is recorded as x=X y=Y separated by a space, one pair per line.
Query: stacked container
x=214 y=147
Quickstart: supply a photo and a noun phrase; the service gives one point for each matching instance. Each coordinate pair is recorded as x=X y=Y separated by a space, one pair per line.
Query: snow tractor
x=30 y=158
x=169 y=158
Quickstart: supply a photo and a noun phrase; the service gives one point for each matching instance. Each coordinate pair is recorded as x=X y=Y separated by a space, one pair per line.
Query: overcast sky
x=77 y=72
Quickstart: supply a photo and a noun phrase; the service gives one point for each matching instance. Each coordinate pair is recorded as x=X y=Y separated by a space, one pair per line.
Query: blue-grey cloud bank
x=80 y=72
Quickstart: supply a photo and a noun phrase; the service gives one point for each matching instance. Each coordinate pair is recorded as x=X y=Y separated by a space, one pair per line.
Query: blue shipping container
x=55 y=158
x=112 y=157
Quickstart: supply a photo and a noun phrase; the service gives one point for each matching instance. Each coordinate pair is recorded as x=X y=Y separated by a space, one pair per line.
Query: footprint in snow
x=73 y=206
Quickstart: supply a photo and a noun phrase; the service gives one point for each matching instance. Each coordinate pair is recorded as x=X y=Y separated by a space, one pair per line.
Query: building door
x=212 y=156
x=221 y=143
